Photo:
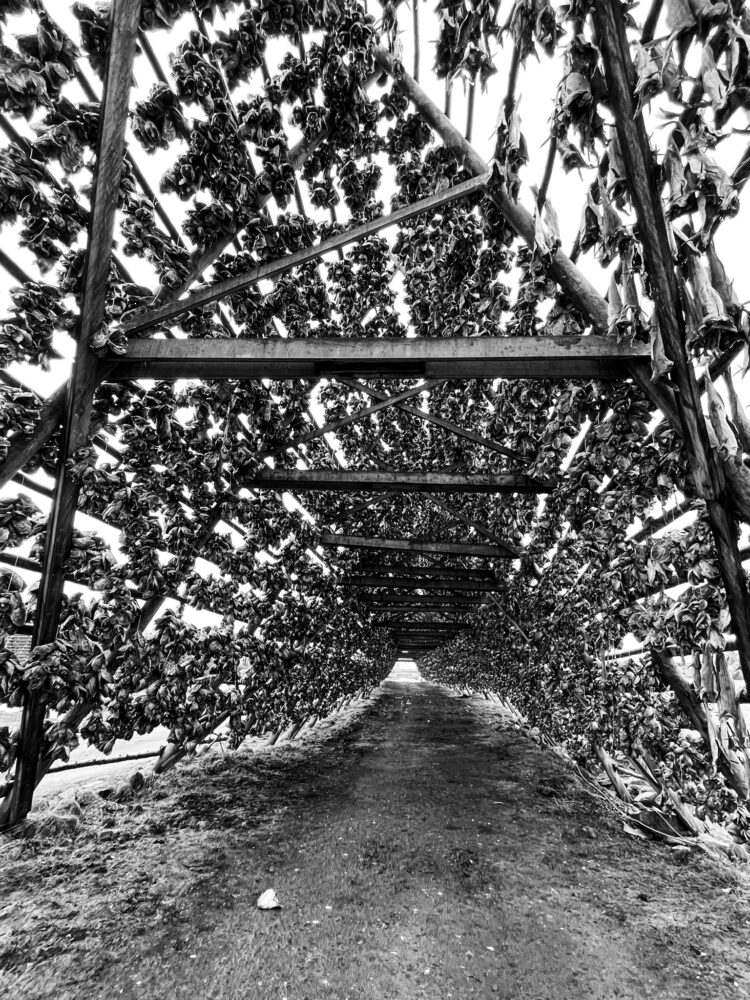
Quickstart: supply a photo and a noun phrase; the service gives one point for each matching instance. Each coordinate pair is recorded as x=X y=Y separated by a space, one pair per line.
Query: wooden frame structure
x=596 y=355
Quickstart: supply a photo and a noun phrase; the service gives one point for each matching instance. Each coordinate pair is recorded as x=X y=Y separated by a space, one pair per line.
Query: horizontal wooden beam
x=415 y=583
x=408 y=608
x=428 y=636
x=446 y=572
x=378 y=357
x=355 y=481
x=421 y=626
x=421 y=601
x=420 y=545
x=269 y=271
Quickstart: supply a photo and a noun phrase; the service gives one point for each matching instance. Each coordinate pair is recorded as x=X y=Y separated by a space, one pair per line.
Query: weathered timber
x=167 y=313
x=355 y=481
x=401 y=638
x=420 y=601
x=419 y=545
x=446 y=572
x=572 y=281
x=123 y=28
x=417 y=583
x=706 y=470
x=379 y=357
x=405 y=625
x=437 y=421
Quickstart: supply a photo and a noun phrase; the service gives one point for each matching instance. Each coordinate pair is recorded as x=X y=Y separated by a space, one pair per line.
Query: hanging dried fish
x=727 y=698
x=660 y=363
x=708 y=677
x=728 y=445
x=740 y=419
x=721 y=283
x=712 y=80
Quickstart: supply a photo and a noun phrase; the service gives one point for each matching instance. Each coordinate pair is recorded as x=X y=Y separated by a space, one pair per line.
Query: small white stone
x=268 y=900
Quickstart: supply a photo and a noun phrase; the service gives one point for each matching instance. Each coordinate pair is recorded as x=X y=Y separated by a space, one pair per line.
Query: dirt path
x=422 y=850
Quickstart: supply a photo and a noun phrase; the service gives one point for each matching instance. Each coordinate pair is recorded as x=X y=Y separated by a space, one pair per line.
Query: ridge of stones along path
x=420 y=848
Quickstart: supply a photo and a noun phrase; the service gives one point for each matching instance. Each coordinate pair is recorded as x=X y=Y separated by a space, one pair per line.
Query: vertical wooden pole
x=123 y=29
x=641 y=170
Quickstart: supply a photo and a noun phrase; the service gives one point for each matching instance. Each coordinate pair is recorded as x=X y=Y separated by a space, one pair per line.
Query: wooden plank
x=420 y=601
x=378 y=357
x=405 y=625
x=355 y=481
x=437 y=421
x=271 y=270
x=446 y=572
x=415 y=583
x=420 y=545
x=408 y=606
x=123 y=27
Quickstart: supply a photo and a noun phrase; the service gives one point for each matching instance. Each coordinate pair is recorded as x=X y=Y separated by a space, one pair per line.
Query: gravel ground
x=420 y=847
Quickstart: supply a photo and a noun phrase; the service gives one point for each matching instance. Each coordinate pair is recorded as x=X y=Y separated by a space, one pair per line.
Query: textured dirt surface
x=420 y=847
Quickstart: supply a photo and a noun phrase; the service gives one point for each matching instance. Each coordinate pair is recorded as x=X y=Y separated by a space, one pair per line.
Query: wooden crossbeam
x=378 y=357
x=420 y=601
x=406 y=625
x=407 y=606
x=270 y=270
x=446 y=572
x=348 y=481
x=401 y=638
x=420 y=545
x=416 y=583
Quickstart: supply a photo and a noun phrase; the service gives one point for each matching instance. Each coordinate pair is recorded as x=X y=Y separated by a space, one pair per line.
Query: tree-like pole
x=706 y=469
x=79 y=394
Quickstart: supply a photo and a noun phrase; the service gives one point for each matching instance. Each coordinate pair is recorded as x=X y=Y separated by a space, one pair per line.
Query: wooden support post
x=123 y=28
x=705 y=468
